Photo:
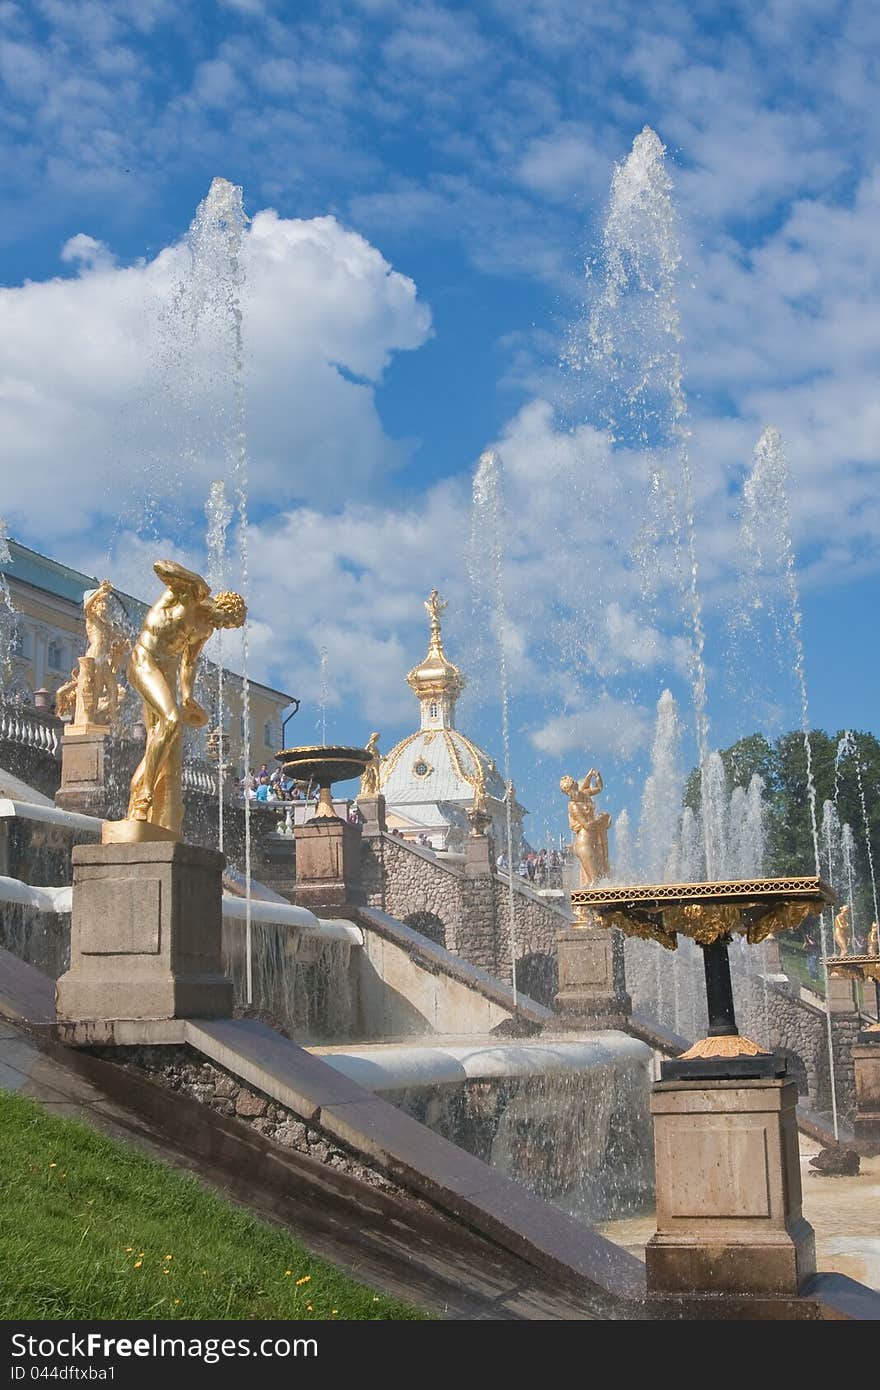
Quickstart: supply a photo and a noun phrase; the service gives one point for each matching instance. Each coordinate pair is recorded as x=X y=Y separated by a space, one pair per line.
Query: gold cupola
x=436 y=681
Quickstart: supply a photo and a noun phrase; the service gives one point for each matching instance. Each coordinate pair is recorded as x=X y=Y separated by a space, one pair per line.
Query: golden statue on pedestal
x=162 y=670
x=590 y=831
x=372 y=773
x=842 y=931
x=92 y=694
x=873 y=945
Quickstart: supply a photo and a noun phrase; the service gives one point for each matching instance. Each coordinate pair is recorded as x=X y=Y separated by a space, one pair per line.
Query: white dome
x=438 y=765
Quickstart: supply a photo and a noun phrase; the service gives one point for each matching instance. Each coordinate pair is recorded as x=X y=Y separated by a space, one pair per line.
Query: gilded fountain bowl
x=324 y=763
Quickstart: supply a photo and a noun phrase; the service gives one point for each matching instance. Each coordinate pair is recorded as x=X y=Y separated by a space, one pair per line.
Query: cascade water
x=487 y=531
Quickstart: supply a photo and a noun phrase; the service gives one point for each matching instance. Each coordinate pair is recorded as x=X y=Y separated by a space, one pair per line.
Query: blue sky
x=438 y=174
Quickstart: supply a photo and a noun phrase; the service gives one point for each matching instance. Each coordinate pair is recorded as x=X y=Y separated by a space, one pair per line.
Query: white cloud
x=85 y=251
x=609 y=727
x=99 y=382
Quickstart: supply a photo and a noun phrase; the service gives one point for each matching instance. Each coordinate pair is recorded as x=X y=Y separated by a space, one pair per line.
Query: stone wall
x=181 y=1069
x=472 y=903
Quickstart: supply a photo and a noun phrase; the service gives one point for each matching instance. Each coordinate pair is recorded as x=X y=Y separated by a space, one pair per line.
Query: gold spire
x=436 y=678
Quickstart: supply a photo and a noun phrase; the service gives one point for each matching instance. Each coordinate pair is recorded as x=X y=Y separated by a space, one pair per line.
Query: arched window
x=55 y=655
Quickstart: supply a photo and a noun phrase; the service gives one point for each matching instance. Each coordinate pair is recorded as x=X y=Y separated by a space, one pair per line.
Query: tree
x=783 y=767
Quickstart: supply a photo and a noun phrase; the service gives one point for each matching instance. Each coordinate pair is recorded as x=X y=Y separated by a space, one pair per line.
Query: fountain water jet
x=848 y=747
x=488 y=521
x=7 y=612
x=766 y=544
x=216 y=240
x=219 y=514
x=633 y=333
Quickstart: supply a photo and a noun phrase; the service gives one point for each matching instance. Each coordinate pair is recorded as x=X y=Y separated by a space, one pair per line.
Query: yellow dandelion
x=288 y=1271
x=309 y=1308
x=305 y=1279
x=166 y=1271
x=177 y=1300
x=53 y=1165
x=129 y=1249
x=333 y=1312
x=138 y=1263
x=168 y=1257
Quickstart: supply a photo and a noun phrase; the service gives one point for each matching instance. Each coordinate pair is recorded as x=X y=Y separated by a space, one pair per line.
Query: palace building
x=429 y=779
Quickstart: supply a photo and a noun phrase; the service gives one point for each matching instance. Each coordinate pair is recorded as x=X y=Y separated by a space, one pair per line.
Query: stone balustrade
x=30 y=728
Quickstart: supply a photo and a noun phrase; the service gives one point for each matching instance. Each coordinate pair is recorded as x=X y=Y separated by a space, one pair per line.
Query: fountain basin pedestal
x=592 y=989
x=328 y=850
x=866 y=1065
x=328 y=864
x=728 y=1189
x=145 y=938
x=728 y=1180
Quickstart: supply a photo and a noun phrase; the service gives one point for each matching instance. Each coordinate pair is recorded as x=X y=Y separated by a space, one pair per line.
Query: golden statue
x=92 y=695
x=478 y=814
x=590 y=831
x=842 y=931
x=372 y=773
x=164 y=658
x=873 y=945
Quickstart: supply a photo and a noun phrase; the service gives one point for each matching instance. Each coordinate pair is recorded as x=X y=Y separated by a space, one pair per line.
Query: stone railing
x=197 y=778
x=30 y=728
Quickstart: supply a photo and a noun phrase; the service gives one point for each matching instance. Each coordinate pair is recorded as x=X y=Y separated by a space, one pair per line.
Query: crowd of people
x=272 y=786
x=541 y=867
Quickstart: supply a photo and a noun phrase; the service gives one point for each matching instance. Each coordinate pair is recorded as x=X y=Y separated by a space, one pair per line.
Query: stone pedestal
x=372 y=808
x=145 y=934
x=866 y=1066
x=841 y=995
x=328 y=864
x=728 y=1189
x=592 y=987
x=479 y=856
x=83 y=772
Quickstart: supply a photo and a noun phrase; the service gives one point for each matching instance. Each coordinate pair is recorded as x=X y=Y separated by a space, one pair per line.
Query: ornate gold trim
x=854 y=967
x=763 y=888
x=706 y=912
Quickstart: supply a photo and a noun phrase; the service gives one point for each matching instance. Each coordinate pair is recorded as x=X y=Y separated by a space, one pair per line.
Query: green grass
x=90 y=1228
